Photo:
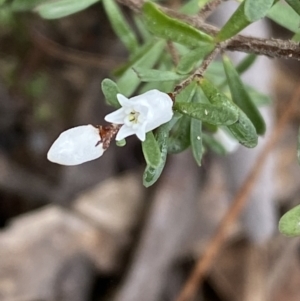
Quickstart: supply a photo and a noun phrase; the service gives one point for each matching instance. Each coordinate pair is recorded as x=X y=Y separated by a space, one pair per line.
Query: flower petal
x=123 y=101
x=124 y=132
x=76 y=146
x=141 y=133
x=116 y=116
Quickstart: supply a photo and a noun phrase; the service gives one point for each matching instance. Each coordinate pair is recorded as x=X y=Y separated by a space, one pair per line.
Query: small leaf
x=21 y=5
x=244 y=131
x=284 y=15
x=120 y=25
x=167 y=28
x=295 y=4
x=179 y=140
x=237 y=22
x=62 y=8
x=298 y=150
x=218 y=115
x=110 y=91
x=152 y=174
x=129 y=81
x=188 y=61
x=153 y=75
x=192 y=7
x=289 y=223
x=196 y=136
x=187 y=93
x=151 y=150
x=121 y=143
x=241 y=97
x=257 y=9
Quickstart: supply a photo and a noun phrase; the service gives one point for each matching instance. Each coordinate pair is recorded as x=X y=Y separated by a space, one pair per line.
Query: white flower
x=141 y=114
x=76 y=146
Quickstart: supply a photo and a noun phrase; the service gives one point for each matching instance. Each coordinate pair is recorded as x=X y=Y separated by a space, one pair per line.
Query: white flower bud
x=141 y=114
x=76 y=146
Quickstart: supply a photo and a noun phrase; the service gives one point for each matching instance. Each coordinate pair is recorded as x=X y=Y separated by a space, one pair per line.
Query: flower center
x=133 y=116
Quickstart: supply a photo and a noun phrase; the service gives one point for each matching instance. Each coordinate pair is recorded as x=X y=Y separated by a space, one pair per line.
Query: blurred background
x=93 y=232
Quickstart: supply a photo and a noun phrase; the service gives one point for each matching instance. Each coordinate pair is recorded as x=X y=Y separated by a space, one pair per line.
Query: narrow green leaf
x=244 y=131
x=257 y=9
x=218 y=115
x=165 y=27
x=187 y=93
x=241 y=97
x=188 y=61
x=152 y=174
x=237 y=22
x=284 y=15
x=192 y=7
x=295 y=4
x=245 y=63
x=298 y=149
x=151 y=150
x=196 y=136
x=218 y=99
x=296 y=37
x=213 y=144
x=110 y=91
x=62 y=8
x=179 y=140
x=129 y=81
x=259 y=99
x=120 y=25
x=153 y=75
x=289 y=224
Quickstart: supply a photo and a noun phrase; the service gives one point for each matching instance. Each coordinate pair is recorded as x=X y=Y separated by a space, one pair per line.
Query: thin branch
x=273 y=48
x=199 y=72
x=208 y=8
x=206 y=260
x=173 y=52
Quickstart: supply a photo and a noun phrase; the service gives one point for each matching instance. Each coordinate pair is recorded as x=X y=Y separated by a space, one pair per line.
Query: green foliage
x=211 y=143
x=295 y=4
x=62 y=8
x=120 y=25
x=241 y=97
x=167 y=28
x=152 y=75
x=192 y=7
x=257 y=9
x=284 y=15
x=21 y=5
x=237 y=22
x=121 y=143
x=151 y=150
x=110 y=91
x=289 y=223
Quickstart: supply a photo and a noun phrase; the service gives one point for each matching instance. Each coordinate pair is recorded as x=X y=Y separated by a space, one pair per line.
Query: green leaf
x=187 y=93
x=237 y=22
x=244 y=131
x=152 y=174
x=289 y=223
x=257 y=9
x=284 y=15
x=215 y=96
x=120 y=25
x=298 y=149
x=121 y=143
x=153 y=75
x=151 y=150
x=179 y=140
x=129 y=81
x=213 y=144
x=295 y=4
x=167 y=28
x=192 y=7
x=259 y=99
x=218 y=115
x=296 y=37
x=62 y=8
x=196 y=136
x=188 y=61
x=21 y=5
x=110 y=91
x=241 y=97
x=245 y=63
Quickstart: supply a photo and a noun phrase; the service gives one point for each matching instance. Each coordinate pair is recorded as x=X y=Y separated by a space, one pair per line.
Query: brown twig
x=173 y=52
x=273 y=48
x=204 y=263
x=208 y=8
x=199 y=72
